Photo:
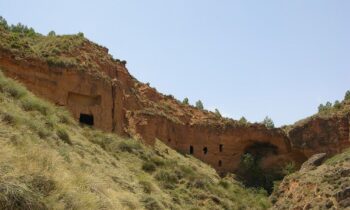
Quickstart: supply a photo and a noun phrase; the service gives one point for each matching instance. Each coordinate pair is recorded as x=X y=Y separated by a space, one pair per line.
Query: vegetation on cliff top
x=49 y=162
x=64 y=51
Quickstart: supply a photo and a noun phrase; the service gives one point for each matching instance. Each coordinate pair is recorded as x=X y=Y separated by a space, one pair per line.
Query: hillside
x=71 y=71
x=324 y=187
x=48 y=161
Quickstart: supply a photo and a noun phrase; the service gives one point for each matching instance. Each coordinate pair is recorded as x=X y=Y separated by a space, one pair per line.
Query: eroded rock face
x=321 y=135
x=117 y=102
x=325 y=187
x=109 y=98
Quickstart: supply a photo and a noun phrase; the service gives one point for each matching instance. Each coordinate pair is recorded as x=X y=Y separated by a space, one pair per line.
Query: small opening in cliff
x=221 y=147
x=86 y=119
x=220 y=163
x=191 y=149
x=205 y=150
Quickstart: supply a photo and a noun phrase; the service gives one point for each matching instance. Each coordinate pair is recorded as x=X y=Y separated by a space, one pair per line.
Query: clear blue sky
x=246 y=58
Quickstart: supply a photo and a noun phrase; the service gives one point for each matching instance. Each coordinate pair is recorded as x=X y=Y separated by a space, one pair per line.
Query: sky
x=251 y=58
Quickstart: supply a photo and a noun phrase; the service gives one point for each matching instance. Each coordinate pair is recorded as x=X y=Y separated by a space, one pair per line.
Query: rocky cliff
x=72 y=71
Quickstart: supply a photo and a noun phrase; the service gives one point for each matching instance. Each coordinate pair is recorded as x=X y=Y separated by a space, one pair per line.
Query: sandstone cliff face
x=328 y=133
x=99 y=91
x=113 y=100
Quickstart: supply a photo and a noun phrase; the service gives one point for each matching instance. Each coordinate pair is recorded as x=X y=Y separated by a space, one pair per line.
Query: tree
x=337 y=104
x=347 y=95
x=185 y=101
x=22 y=29
x=328 y=105
x=51 y=33
x=321 y=108
x=3 y=23
x=81 y=34
x=268 y=122
x=243 y=120
x=199 y=104
x=217 y=113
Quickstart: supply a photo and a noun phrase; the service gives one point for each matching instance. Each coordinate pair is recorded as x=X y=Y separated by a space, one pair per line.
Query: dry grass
x=48 y=161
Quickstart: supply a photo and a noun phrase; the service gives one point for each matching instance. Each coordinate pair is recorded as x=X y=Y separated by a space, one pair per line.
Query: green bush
x=34 y=104
x=64 y=136
x=167 y=178
x=60 y=62
x=289 y=168
x=148 y=166
x=11 y=87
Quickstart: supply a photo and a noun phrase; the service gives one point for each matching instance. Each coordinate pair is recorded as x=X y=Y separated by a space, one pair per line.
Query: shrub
x=148 y=166
x=199 y=104
x=268 y=122
x=147 y=186
x=64 y=136
x=151 y=203
x=185 y=101
x=60 y=62
x=224 y=184
x=168 y=178
x=17 y=197
x=289 y=168
x=11 y=87
x=34 y=104
x=130 y=146
x=9 y=118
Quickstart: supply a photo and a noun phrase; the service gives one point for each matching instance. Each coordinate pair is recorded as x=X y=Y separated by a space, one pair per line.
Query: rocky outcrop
x=313 y=162
x=324 y=187
x=322 y=133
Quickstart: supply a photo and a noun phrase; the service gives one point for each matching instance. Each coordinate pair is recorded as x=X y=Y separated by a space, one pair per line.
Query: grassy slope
x=49 y=161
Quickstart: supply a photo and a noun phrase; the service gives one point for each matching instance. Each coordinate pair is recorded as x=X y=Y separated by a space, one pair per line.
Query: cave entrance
x=191 y=149
x=261 y=149
x=87 y=119
x=250 y=171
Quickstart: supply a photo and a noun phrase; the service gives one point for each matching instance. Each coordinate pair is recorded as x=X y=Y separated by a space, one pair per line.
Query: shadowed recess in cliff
x=250 y=169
